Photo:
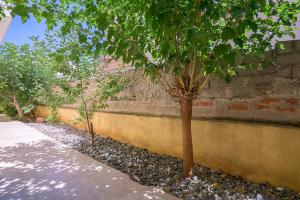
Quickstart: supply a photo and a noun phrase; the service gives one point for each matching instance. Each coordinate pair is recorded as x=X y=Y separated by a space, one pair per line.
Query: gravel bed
x=164 y=171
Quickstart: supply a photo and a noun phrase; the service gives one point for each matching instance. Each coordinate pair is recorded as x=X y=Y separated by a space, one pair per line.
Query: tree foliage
x=76 y=68
x=172 y=34
x=24 y=69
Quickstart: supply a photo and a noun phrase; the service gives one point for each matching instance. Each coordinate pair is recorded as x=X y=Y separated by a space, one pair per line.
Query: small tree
x=108 y=86
x=22 y=73
x=187 y=40
x=76 y=67
x=50 y=94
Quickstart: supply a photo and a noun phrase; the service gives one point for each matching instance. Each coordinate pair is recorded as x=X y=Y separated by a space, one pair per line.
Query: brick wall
x=261 y=95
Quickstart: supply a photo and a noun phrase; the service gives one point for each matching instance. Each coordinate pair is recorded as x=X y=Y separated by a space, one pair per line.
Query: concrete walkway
x=33 y=166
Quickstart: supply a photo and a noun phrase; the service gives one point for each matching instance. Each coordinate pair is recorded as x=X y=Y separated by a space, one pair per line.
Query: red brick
x=261 y=107
x=269 y=100
x=205 y=103
x=292 y=101
x=238 y=106
x=39 y=120
x=289 y=109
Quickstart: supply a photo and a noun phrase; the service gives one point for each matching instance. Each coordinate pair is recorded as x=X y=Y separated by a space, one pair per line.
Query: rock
x=166 y=189
x=40 y=120
x=135 y=178
x=279 y=188
x=223 y=176
x=176 y=177
x=169 y=181
x=239 y=189
x=215 y=185
x=259 y=197
x=195 y=179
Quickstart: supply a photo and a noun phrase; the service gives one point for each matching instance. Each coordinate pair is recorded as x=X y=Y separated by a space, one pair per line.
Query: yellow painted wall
x=258 y=152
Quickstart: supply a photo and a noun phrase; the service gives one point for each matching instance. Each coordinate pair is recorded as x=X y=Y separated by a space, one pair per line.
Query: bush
x=9 y=110
x=52 y=118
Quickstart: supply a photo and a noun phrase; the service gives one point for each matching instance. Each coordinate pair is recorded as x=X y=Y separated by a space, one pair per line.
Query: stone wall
x=261 y=95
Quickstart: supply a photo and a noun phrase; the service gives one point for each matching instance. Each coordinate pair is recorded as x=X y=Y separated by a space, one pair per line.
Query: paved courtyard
x=33 y=166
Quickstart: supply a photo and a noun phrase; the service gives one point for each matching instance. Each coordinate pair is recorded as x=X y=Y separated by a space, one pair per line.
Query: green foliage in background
x=24 y=69
x=7 y=108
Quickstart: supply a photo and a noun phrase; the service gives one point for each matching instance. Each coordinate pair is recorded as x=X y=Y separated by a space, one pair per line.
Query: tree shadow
x=45 y=170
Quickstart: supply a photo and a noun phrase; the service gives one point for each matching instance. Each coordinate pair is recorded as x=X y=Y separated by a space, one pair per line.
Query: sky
x=19 y=33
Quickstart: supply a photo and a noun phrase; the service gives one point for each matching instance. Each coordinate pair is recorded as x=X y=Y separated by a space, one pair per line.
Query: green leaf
x=230 y=58
x=227 y=78
x=24 y=18
x=228 y=33
x=221 y=49
x=82 y=38
x=252 y=25
x=239 y=42
x=59 y=58
x=237 y=11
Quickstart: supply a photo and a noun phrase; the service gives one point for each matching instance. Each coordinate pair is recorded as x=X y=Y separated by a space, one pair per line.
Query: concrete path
x=33 y=166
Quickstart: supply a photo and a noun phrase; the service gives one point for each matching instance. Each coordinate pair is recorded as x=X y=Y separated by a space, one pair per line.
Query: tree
x=48 y=93
x=186 y=41
x=77 y=68
x=23 y=71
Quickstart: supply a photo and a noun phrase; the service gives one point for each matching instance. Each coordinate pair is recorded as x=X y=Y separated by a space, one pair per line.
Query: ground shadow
x=45 y=170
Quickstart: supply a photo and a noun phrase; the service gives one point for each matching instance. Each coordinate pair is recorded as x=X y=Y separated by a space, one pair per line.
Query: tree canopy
x=24 y=70
x=172 y=34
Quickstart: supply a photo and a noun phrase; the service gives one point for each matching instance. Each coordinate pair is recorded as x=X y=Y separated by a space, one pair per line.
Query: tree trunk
x=18 y=107
x=92 y=134
x=186 y=119
x=89 y=124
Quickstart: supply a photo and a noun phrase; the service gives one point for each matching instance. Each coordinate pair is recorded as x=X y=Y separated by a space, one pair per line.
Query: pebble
x=164 y=171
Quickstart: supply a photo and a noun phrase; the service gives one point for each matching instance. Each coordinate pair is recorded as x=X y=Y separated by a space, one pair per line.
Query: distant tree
x=23 y=69
x=185 y=40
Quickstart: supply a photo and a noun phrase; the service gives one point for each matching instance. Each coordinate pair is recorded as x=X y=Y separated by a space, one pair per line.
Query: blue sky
x=19 y=33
